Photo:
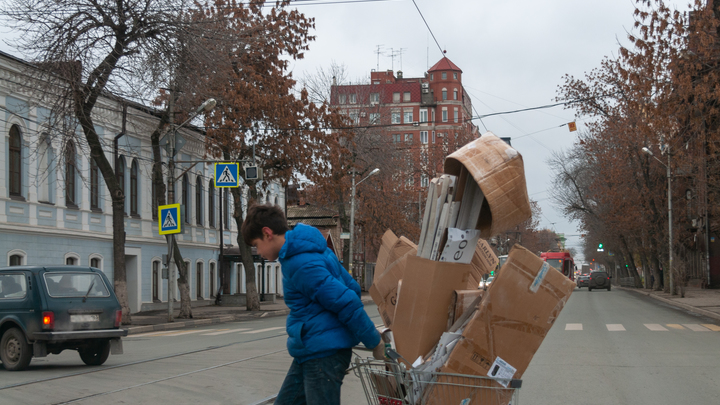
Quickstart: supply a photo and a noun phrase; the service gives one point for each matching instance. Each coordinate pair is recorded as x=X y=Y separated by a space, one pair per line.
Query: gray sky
x=513 y=55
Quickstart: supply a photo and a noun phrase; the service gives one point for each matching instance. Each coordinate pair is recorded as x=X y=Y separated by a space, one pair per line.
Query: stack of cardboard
x=428 y=294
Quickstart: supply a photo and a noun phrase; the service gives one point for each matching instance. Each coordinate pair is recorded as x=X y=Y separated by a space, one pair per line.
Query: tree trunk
x=252 y=298
x=185 y=307
x=632 y=270
x=657 y=274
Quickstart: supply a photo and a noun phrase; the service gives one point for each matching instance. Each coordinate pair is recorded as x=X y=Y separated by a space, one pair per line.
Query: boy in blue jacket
x=326 y=318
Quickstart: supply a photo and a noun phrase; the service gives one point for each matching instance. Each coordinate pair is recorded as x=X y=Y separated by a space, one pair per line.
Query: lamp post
x=670 y=237
x=208 y=105
x=352 y=216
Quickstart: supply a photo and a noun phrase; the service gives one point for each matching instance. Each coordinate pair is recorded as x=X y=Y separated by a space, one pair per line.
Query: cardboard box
x=499 y=171
x=514 y=316
x=389 y=270
x=461 y=301
x=421 y=314
x=483 y=262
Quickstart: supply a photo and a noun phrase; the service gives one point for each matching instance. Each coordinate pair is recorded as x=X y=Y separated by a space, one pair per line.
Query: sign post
x=169 y=224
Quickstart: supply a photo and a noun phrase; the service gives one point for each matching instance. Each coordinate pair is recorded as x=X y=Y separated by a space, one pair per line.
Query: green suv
x=599 y=279
x=45 y=310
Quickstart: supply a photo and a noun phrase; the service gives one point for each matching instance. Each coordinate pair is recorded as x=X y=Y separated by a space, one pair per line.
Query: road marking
x=615 y=327
x=696 y=328
x=187 y=332
x=712 y=327
x=655 y=327
x=573 y=326
x=224 y=332
x=151 y=334
x=675 y=326
x=265 y=330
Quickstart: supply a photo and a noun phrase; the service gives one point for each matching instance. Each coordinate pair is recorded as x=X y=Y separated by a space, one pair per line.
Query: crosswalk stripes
x=615 y=327
x=675 y=326
x=655 y=327
x=712 y=327
x=696 y=328
x=573 y=326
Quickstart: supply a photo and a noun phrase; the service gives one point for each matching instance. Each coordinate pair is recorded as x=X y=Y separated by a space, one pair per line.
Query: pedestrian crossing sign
x=226 y=175
x=169 y=219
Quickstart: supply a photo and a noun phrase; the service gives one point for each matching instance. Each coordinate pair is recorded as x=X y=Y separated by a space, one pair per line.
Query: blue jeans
x=315 y=381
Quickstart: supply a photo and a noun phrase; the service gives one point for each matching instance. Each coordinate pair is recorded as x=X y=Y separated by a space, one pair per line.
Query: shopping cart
x=391 y=383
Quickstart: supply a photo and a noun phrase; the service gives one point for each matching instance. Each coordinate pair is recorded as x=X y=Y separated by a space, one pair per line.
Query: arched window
x=134 y=188
x=155 y=284
x=186 y=197
x=15 y=172
x=276 y=200
x=211 y=204
x=44 y=170
x=198 y=201
x=71 y=261
x=96 y=262
x=70 y=170
x=198 y=283
x=94 y=185
x=16 y=260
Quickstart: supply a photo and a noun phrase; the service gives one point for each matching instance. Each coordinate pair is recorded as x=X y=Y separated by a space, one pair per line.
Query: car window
x=13 y=286
x=75 y=285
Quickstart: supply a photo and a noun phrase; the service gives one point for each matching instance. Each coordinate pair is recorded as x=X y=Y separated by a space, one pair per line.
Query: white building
x=55 y=209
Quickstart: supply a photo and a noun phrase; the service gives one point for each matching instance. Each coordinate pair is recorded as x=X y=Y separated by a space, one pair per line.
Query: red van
x=561 y=261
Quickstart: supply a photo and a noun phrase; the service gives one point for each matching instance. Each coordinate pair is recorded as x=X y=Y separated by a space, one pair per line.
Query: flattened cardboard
x=422 y=312
x=391 y=249
x=499 y=171
x=483 y=262
x=461 y=301
x=384 y=292
x=512 y=321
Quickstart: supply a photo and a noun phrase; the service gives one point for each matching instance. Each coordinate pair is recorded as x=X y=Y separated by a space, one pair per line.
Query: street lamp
x=208 y=105
x=352 y=216
x=670 y=234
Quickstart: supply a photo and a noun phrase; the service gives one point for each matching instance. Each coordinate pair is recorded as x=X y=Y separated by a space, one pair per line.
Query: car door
x=16 y=298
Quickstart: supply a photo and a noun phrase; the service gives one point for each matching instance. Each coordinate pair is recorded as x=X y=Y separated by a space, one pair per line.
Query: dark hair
x=260 y=216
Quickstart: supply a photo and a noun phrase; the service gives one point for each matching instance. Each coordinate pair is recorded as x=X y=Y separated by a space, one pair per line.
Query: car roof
x=59 y=268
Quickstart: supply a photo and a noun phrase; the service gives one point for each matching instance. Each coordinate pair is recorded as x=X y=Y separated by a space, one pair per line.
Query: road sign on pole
x=169 y=219
x=226 y=174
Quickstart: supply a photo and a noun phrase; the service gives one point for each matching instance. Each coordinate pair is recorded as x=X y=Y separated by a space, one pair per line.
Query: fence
x=627 y=282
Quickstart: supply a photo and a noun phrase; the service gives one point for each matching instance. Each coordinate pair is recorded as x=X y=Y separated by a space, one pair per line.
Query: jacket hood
x=303 y=239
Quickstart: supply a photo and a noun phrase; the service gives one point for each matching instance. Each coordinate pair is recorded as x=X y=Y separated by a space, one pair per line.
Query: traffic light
x=600 y=247
x=492 y=273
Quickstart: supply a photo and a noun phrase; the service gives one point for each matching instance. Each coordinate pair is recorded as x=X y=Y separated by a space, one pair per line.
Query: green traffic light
x=600 y=245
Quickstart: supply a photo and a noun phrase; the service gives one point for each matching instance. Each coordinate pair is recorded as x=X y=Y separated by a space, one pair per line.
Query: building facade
x=55 y=208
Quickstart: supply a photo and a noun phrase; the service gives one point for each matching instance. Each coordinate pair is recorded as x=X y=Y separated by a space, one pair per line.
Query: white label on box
x=502 y=372
x=460 y=245
x=540 y=277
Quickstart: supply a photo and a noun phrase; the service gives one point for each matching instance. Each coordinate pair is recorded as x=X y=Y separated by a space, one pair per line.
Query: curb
x=133 y=330
x=686 y=307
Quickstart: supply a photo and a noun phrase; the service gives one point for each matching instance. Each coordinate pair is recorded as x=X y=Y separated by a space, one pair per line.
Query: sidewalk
x=701 y=301
x=151 y=321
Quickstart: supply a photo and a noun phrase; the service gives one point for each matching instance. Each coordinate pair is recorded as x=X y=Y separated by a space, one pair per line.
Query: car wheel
x=96 y=353
x=15 y=352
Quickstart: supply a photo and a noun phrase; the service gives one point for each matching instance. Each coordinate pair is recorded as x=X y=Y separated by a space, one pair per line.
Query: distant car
x=484 y=284
x=583 y=280
x=599 y=279
x=45 y=310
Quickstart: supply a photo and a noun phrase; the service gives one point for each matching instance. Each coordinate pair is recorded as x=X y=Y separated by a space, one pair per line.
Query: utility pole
x=171 y=200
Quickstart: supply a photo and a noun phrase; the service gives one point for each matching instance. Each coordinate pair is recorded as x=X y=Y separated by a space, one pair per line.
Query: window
x=444 y=115
x=342 y=99
x=406 y=96
x=198 y=201
x=433 y=136
x=12 y=286
x=121 y=174
x=408 y=117
x=374 y=118
x=432 y=76
x=423 y=137
x=455 y=75
x=395 y=117
x=410 y=181
x=396 y=138
x=44 y=170
x=212 y=279
x=134 y=188
x=423 y=180
x=455 y=115
x=444 y=75
x=198 y=284
x=70 y=174
x=71 y=261
x=16 y=260
x=155 y=284
x=211 y=204
x=186 y=198
x=423 y=116
x=408 y=137
x=94 y=185
x=353 y=98
x=433 y=116
x=444 y=94
x=95 y=262
x=66 y=284
x=354 y=117
x=15 y=161
x=396 y=97
x=455 y=94
x=374 y=98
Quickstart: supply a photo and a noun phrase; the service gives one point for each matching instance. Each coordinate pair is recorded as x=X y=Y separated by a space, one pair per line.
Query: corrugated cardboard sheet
x=422 y=312
x=460 y=303
x=389 y=269
x=483 y=262
x=512 y=320
x=499 y=171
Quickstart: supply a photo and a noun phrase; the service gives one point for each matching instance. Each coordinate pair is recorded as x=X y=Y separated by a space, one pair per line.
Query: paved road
x=606 y=348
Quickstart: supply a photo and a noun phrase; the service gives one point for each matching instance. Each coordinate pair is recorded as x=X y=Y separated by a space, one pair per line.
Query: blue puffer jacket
x=326 y=313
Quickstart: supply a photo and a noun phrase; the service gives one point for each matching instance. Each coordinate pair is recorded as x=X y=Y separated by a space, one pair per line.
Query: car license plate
x=84 y=318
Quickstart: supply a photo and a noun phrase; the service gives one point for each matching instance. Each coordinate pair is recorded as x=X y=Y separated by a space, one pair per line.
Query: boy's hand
x=379 y=351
